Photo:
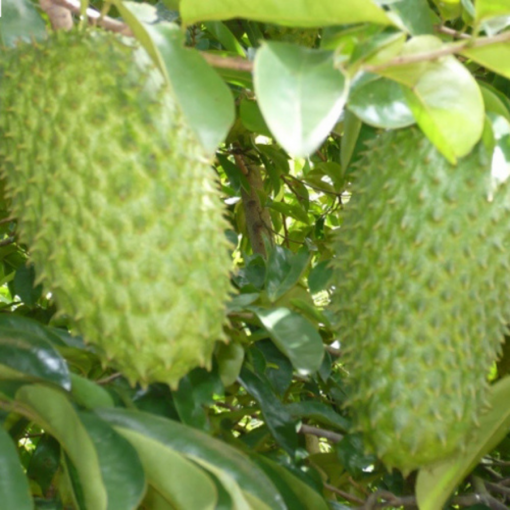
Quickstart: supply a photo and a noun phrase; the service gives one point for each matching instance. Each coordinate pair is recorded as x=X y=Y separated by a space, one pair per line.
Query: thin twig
x=110 y=378
x=343 y=494
x=95 y=17
x=318 y=432
x=444 y=51
x=450 y=31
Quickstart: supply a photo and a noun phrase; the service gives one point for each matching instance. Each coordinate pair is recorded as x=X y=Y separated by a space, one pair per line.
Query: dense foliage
x=283 y=100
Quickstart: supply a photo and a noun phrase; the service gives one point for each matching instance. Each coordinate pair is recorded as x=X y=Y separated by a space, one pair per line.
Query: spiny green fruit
x=302 y=36
x=422 y=284
x=116 y=201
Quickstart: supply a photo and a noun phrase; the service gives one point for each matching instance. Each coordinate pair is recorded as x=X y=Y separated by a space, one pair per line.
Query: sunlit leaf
x=298 y=123
x=277 y=11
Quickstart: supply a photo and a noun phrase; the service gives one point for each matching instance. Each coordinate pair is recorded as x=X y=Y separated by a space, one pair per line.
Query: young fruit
x=116 y=202
x=422 y=283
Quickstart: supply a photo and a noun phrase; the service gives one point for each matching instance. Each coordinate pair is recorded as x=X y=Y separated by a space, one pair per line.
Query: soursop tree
x=254 y=255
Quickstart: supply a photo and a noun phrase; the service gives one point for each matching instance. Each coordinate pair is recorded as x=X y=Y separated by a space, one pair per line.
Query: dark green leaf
x=278 y=420
x=221 y=32
x=320 y=276
x=197 y=445
x=44 y=462
x=319 y=412
x=14 y=489
x=417 y=16
x=252 y=118
x=24 y=285
x=284 y=269
x=24 y=354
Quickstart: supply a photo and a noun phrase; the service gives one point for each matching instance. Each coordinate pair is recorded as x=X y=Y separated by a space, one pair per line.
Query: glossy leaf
x=52 y=411
x=281 y=424
x=25 y=354
x=174 y=477
x=444 y=98
x=284 y=269
x=380 y=102
x=435 y=484
x=20 y=21
x=295 y=336
x=298 y=124
x=197 y=445
x=277 y=11
x=14 y=489
x=206 y=102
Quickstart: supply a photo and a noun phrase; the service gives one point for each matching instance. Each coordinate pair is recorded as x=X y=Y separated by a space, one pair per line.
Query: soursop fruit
x=116 y=201
x=422 y=286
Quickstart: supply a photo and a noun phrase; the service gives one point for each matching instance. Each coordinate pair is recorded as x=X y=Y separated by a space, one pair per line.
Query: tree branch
x=60 y=17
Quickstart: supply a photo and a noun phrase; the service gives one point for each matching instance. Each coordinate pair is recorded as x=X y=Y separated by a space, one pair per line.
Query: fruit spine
x=116 y=201
x=422 y=277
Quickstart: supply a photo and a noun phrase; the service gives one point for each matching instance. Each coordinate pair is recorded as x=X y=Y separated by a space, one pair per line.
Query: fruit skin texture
x=116 y=201
x=421 y=300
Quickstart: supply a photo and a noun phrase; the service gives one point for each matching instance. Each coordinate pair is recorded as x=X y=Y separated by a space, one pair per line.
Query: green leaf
x=295 y=336
x=230 y=360
x=304 y=496
x=174 y=477
x=320 y=276
x=435 y=484
x=14 y=488
x=292 y=210
x=444 y=98
x=205 y=100
x=491 y=8
x=122 y=471
x=198 y=446
x=352 y=127
x=252 y=118
x=44 y=462
x=24 y=285
x=492 y=56
x=302 y=14
x=416 y=16
x=20 y=21
x=221 y=32
x=281 y=424
x=284 y=269
x=53 y=412
x=380 y=102
x=26 y=355
x=494 y=101
x=298 y=123
x=319 y=412
x=89 y=394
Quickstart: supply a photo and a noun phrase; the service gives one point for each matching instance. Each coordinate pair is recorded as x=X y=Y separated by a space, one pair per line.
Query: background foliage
x=285 y=97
